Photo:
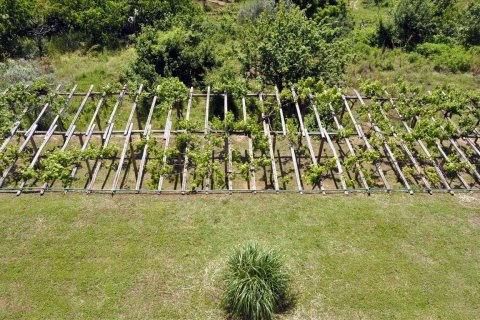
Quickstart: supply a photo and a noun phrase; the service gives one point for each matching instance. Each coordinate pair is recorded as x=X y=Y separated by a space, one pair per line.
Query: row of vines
x=401 y=131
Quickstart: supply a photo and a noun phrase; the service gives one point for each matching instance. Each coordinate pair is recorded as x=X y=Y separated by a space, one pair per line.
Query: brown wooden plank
x=361 y=134
x=350 y=149
x=390 y=155
x=266 y=130
x=253 y=185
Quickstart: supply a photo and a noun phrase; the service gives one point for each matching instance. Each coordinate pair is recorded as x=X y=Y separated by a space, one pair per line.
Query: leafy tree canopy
x=285 y=46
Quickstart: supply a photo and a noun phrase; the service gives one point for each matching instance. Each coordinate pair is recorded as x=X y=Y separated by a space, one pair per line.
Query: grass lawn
x=161 y=257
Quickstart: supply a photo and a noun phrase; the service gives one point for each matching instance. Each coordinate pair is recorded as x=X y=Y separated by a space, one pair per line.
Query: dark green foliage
x=384 y=35
x=470 y=24
x=323 y=8
x=286 y=46
x=14 y=24
x=418 y=20
x=256 y=283
x=178 y=52
x=104 y=22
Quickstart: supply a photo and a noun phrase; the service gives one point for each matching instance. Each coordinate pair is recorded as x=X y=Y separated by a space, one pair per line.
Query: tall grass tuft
x=256 y=283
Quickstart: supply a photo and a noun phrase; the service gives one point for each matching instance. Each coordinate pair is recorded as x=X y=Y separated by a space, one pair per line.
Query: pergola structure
x=90 y=122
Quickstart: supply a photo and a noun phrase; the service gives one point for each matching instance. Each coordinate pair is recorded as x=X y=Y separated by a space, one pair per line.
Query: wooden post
x=106 y=138
x=425 y=150
x=266 y=130
x=367 y=144
x=306 y=135
x=396 y=166
x=250 y=150
x=291 y=147
x=70 y=131
x=89 y=133
x=146 y=134
x=185 y=160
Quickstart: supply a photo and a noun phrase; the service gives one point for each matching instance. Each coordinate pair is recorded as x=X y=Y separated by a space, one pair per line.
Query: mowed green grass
x=161 y=257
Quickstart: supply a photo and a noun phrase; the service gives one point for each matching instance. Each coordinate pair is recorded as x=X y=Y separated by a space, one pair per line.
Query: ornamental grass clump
x=256 y=283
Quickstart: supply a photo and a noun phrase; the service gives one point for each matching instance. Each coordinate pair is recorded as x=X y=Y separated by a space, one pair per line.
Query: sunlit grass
x=87 y=69
x=161 y=257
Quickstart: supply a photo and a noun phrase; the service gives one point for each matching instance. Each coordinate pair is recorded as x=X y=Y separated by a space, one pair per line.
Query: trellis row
x=334 y=144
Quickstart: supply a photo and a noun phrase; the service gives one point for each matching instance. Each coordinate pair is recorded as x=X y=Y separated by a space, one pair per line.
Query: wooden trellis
x=92 y=122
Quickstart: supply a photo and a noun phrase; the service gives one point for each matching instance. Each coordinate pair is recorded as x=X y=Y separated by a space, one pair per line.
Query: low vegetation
x=256 y=283
x=150 y=257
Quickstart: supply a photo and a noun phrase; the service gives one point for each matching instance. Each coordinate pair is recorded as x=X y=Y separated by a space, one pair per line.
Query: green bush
x=254 y=9
x=186 y=53
x=470 y=24
x=286 y=46
x=256 y=283
x=384 y=35
x=418 y=20
x=453 y=58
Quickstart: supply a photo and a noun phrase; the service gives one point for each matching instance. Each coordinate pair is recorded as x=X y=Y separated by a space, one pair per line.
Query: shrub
x=323 y=8
x=286 y=46
x=445 y=57
x=257 y=283
x=384 y=35
x=179 y=52
x=419 y=20
x=254 y=9
x=470 y=25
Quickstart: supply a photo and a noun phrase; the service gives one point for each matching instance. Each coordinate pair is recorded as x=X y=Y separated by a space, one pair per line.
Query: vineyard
x=306 y=138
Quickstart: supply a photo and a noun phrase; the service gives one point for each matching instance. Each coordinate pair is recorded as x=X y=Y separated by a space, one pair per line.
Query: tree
x=178 y=52
x=470 y=25
x=14 y=24
x=418 y=20
x=285 y=46
x=323 y=8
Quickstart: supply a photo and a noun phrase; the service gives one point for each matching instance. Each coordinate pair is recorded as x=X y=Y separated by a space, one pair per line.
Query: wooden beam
x=425 y=150
x=282 y=118
x=471 y=168
x=126 y=144
x=70 y=131
x=128 y=139
x=228 y=144
x=367 y=144
x=185 y=160
x=266 y=130
x=290 y=145
x=106 y=138
x=134 y=109
x=89 y=132
x=30 y=133
x=306 y=135
x=17 y=123
x=207 y=107
x=330 y=144
x=350 y=149
x=390 y=154
x=168 y=127
x=407 y=151
x=250 y=150
x=146 y=135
